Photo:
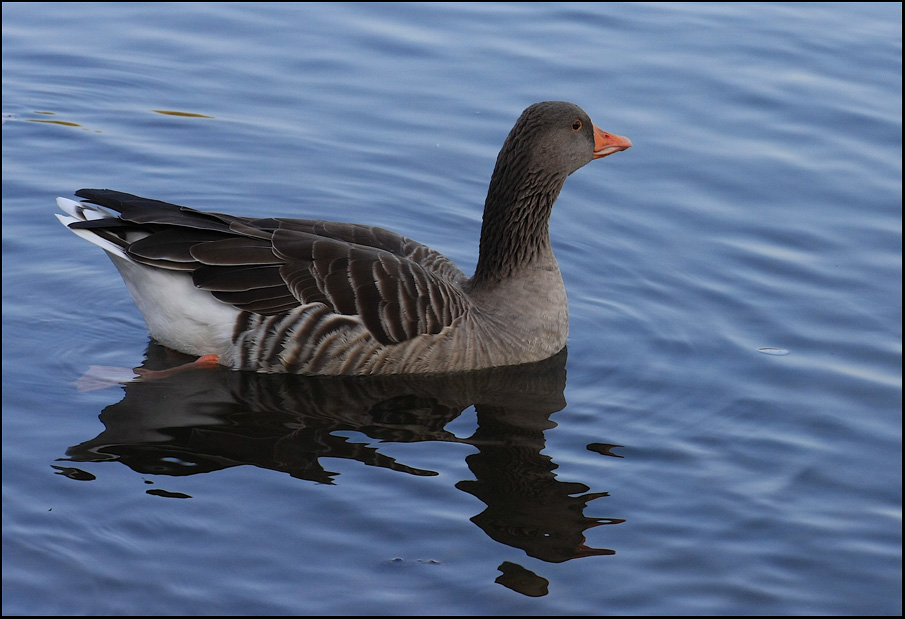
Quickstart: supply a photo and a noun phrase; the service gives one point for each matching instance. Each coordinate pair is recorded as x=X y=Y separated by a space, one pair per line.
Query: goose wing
x=399 y=288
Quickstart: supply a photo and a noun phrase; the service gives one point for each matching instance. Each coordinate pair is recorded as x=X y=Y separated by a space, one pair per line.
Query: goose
x=312 y=297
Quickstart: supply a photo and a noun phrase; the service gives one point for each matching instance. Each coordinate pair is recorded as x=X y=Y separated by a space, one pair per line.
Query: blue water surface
x=723 y=436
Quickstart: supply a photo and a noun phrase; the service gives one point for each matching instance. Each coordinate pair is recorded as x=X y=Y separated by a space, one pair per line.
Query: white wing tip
x=82 y=211
x=79 y=211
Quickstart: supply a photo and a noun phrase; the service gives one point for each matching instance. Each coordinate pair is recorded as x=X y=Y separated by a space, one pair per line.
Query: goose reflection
x=200 y=421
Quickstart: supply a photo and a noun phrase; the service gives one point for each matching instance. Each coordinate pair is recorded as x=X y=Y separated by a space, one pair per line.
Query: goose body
x=327 y=298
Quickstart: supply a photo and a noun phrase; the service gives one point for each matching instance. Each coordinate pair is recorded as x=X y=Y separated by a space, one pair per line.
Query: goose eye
x=576 y=125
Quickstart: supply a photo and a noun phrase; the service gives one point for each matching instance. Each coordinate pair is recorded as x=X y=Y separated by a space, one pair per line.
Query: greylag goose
x=324 y=298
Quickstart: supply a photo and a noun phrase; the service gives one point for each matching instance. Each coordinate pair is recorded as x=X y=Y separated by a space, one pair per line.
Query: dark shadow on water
x=206 y=420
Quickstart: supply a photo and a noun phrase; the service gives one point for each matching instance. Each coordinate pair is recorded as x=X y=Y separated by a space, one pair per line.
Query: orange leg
x=205 y=362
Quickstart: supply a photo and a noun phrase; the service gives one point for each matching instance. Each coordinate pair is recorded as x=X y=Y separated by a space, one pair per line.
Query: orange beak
x=608 y=143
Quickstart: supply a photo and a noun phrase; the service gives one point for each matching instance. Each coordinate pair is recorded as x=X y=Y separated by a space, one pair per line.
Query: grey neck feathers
x=515 y=232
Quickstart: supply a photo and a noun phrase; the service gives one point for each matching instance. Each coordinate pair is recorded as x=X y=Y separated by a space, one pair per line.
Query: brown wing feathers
x=269 y=266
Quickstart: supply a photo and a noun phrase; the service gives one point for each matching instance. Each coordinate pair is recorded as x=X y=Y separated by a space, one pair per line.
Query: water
x=669 y=465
